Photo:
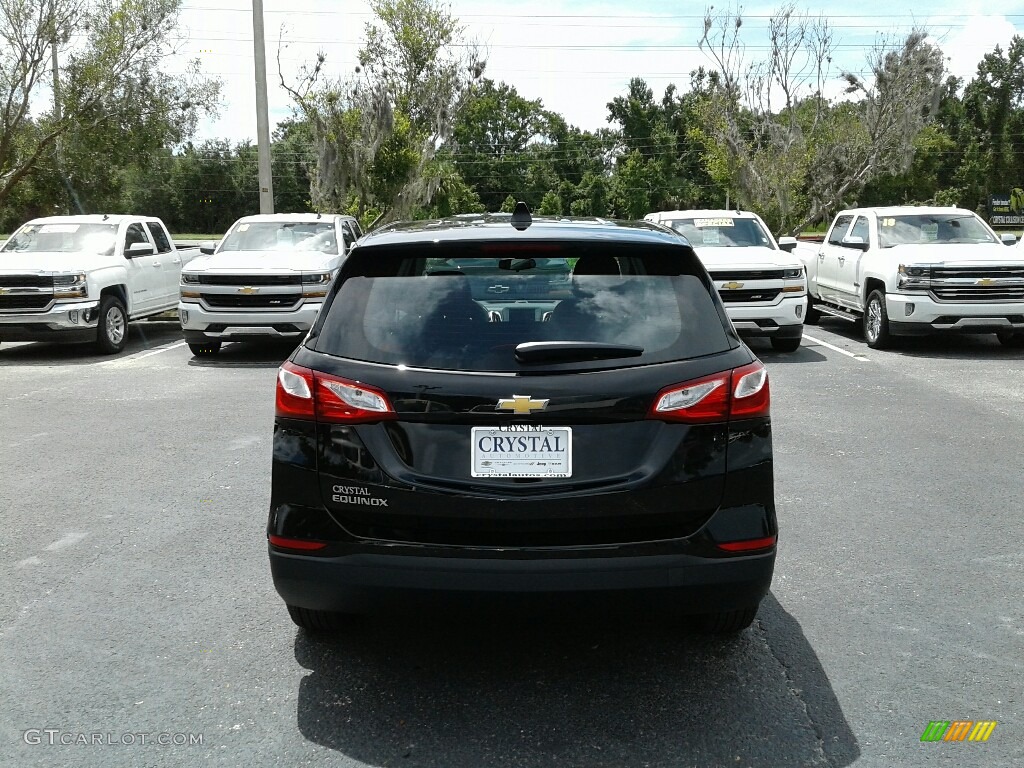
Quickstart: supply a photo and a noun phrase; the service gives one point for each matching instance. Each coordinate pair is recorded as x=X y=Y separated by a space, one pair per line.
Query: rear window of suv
x=469 y=309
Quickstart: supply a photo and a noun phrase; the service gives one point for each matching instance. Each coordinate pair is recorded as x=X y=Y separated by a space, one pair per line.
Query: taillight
x=306 y=394
x=341 y=401
x=751 y=396
x=741 y=393
x=295 y=392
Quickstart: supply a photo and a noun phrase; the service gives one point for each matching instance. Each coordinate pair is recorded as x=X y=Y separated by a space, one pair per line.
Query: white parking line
x=854 y=355
x=143 y=355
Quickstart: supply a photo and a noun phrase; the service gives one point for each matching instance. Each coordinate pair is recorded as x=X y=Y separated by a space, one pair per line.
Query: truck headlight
x=792 y=274
x=73 y=286
x=316 y=278
x=189 y=278
x=913 y=278
x=314 y=285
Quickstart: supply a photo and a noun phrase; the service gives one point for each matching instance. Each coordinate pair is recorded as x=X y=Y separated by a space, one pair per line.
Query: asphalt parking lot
x=138 y=608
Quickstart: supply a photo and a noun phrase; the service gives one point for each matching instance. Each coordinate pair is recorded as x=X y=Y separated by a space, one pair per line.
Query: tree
x=113 y=98
x=793 y=154
x=375 y=134
x=492 y=138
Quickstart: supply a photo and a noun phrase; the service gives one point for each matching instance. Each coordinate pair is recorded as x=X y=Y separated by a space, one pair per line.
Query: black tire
x=315 y=621
x=726 y=622
x=786 y=345
x=112 y=326
x=876 y=322
x=1011 y=339
x=204 y=349
x=813 y=315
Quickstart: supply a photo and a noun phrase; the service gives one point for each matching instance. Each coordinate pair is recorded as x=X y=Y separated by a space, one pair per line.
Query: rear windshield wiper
x=537 y=352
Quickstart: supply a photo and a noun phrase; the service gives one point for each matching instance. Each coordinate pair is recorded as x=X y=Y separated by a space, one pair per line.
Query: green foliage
x=551 y=204
x=118 y=105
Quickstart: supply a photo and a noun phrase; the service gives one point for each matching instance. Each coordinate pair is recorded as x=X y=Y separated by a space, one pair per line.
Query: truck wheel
x=316 y=621
x=785 y=345
x=876 y=322
x=1010 y=339
x=205 y=349
x=112 y=327
x=813 y=315
x=726 y=622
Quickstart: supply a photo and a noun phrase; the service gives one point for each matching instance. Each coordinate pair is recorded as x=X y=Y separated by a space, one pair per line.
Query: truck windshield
x=933 y=229
x=63 y=238
x=282 y=236
x=722 y=232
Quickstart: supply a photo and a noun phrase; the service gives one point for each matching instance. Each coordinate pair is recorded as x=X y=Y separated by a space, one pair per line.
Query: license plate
x=522 y=452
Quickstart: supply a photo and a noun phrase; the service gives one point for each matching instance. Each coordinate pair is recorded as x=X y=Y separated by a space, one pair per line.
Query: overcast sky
x=575 y=56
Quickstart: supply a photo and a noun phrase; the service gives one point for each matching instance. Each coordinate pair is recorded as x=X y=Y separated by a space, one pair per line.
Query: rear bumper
x=65 y=321
x=356 y=582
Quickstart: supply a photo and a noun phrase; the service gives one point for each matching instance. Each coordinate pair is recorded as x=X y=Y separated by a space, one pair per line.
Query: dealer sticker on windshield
x=713 y=223
x=522 y=450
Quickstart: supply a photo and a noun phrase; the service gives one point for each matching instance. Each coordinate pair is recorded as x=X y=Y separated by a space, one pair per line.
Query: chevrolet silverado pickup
x=912 y=270
x=84 y=278
x=266 y=279
x=760 y=281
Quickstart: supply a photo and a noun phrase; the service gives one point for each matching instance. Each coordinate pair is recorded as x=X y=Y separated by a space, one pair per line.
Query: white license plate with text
x=522 y=451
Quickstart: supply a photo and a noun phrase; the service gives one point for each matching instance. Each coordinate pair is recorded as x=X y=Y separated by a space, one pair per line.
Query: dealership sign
x=1006 y=210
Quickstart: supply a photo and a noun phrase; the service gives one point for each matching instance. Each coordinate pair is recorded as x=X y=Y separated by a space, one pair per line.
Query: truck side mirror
x=855 y=241
x=1008 y=238
x=207 y=247
x=139 y=249
x=787 y=244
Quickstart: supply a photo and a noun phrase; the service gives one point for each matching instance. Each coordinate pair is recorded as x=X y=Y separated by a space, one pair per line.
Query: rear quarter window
x=466 y=311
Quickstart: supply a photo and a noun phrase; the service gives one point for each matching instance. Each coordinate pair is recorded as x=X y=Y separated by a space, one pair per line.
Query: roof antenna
x=521 y=218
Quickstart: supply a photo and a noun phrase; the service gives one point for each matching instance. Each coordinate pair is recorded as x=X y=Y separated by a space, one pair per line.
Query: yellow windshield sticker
x=888 y=222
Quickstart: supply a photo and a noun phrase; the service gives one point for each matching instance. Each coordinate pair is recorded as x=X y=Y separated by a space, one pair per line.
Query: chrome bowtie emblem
x=521 y=404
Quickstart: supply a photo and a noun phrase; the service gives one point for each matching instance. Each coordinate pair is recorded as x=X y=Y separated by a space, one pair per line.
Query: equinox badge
x=521 y=404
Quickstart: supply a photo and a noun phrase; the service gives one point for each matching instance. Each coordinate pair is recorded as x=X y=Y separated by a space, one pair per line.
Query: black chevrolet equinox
x=507 y=404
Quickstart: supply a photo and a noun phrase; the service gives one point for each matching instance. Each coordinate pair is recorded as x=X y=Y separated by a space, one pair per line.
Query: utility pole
x=57 y=112
x=266 y=180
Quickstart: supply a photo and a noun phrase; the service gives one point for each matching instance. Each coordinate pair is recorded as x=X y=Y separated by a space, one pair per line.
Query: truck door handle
x=156 y=263
x=821 y=256
x=841 y=259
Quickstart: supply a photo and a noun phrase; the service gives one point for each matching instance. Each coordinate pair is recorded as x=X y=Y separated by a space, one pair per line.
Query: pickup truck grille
x=977 y=273
x=748 y=274
x=23 y=301
x=266 y=301
x=26 y=281
x=751 y=295
x=994 y=292
x=250 y=279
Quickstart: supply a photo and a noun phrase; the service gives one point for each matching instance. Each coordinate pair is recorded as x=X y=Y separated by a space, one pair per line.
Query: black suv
x=500 y=404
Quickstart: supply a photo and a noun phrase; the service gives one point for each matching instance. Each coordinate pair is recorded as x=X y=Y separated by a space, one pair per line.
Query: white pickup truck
x=266 y=279
x=83 y=278
x=760 y=281
x=910 y=270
